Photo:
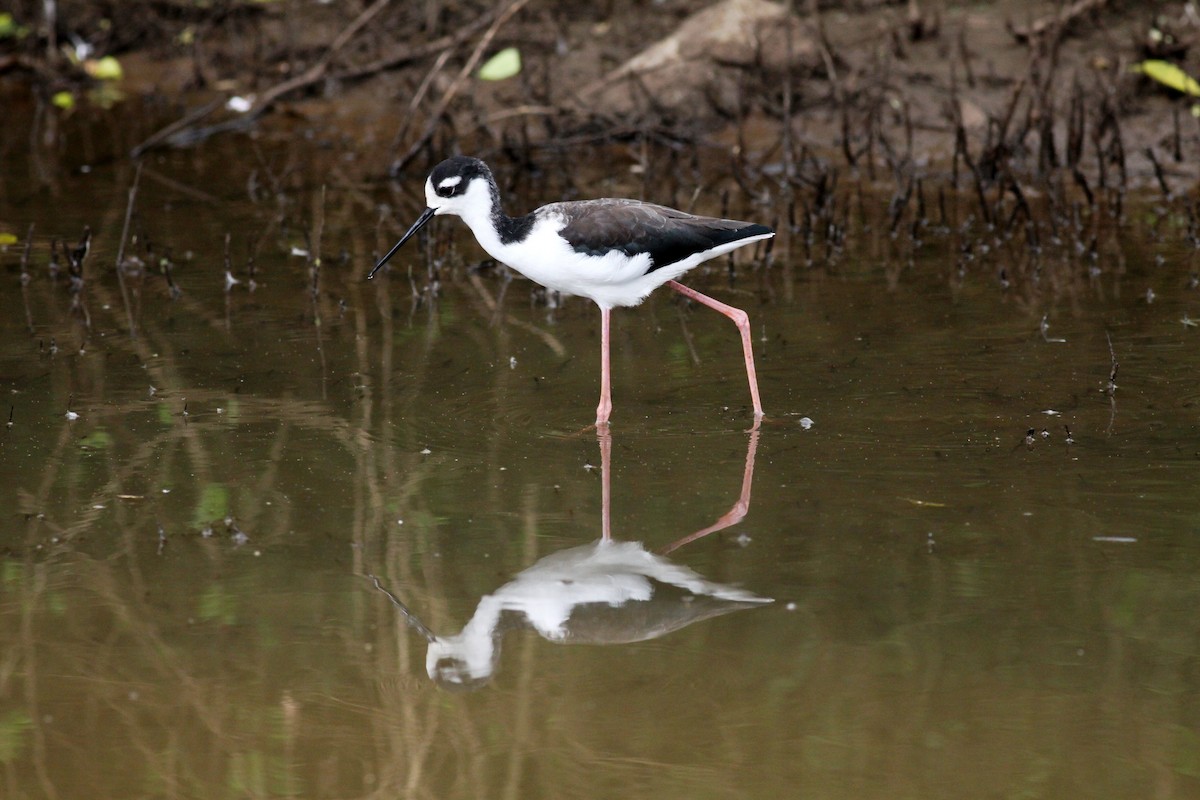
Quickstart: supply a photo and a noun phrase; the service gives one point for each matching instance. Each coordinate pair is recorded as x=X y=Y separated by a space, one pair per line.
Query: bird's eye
x=449 y=186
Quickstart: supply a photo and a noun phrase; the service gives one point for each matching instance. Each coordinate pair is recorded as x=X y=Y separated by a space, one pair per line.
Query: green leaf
x=7 y=239
x=501 y=66
x=105 y=94
x=97 y=440
x=56 y=604
x=64 y=100
x=13 y=729
x=104 y=69
x=217 y=605
x=1187 y=752
x=10 y=29
x=214 y=504
x=1169 y=75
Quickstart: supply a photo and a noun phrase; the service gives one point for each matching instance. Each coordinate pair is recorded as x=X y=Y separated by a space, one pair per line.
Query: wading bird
x=612 y=251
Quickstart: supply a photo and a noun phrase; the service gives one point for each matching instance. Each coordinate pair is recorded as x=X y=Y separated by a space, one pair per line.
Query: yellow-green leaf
x=7 y=239
x=1169 y=75
x=9 y=29
x=501 y=66
x=105 y=95
x=214 y=504
x=15 y=729
x=104 y=69
x=97 y=440
x=64 y=100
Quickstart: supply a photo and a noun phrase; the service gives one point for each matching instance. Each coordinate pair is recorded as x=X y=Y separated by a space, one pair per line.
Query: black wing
x=596 y=227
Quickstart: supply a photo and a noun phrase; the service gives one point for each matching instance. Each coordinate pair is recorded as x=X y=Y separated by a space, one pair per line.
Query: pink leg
x=605 y=407
x=742 y=320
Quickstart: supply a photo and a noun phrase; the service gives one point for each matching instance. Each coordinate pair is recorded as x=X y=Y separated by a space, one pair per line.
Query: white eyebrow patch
x=452 y=181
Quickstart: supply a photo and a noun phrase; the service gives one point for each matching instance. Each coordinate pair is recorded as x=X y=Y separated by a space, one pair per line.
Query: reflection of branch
x=550 y=339
x=33 y=672
x=1112 y=375
x=165 y=134
x=137 y=177
x=1111 y=388
x=302 y=414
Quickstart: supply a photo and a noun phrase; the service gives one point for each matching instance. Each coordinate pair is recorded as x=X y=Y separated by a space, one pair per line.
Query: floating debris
x=239 y=104
x=923 y=503
x=1045 y=328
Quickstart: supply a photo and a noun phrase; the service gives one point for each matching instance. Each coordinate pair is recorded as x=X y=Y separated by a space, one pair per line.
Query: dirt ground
x=990 y=93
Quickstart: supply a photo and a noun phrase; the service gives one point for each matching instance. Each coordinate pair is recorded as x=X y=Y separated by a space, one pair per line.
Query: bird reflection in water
x=606 y=592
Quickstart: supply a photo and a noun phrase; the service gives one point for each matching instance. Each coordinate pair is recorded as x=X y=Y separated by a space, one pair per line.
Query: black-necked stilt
x=613 y=251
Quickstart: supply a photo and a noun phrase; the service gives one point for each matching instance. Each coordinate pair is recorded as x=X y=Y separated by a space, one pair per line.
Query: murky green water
x=957 y=612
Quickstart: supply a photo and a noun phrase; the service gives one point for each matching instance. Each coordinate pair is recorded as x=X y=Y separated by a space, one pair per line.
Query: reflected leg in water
x=736 y=513
x=606 y=592
x=605 y=439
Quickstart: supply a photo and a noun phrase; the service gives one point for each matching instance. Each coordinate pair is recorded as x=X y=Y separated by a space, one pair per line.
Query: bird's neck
x=493 y=229
x=487 y=221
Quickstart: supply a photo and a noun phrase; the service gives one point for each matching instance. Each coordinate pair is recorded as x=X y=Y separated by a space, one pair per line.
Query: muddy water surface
x=983 y=566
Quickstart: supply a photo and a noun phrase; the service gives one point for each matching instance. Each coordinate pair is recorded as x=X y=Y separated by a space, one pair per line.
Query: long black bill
x=426 y=215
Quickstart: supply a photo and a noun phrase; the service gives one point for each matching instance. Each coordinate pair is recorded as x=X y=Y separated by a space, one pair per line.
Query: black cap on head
x=464 y=168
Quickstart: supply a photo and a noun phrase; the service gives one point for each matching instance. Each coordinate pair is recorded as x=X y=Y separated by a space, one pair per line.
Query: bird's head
x=460 y=185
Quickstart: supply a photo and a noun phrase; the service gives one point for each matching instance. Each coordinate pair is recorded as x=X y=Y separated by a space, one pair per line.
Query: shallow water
x=958 y=611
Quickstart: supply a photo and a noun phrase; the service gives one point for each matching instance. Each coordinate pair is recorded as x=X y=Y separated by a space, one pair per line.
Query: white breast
x=544 y=257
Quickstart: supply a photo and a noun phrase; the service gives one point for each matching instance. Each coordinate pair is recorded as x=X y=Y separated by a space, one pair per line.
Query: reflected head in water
x=612 y=251
x=606 y=592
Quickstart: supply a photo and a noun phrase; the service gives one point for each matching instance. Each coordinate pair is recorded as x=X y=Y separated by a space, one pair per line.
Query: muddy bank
x=1017 y=91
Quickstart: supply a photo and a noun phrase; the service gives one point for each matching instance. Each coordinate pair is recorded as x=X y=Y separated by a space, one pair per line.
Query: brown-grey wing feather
x=667 y=235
